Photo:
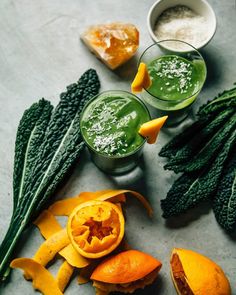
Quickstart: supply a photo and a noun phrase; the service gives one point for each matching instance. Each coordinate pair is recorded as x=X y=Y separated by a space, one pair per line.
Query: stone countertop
x=40 y=53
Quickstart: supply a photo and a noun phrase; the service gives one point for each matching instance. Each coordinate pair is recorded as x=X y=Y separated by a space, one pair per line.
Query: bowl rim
x=156 y=39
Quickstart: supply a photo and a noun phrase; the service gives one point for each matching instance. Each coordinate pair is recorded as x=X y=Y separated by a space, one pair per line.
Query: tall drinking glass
x=178 y=72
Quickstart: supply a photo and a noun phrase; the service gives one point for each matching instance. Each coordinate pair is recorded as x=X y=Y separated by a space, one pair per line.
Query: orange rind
x=195 y=274
x=41 y=277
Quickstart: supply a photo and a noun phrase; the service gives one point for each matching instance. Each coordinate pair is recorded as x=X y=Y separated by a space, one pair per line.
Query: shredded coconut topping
x=174 y=68
x=181 y=23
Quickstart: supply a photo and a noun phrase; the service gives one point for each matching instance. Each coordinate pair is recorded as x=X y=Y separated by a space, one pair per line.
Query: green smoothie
x=110 y=123
x=176 y=78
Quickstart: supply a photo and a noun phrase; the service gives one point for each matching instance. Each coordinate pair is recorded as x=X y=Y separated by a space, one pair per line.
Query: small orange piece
x=195 y=274
x=151 y=129
x=142 y=79
x=125 y=267
x=95 y=228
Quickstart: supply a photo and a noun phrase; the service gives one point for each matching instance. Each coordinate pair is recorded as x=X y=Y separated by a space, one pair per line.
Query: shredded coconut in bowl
x=181 y=23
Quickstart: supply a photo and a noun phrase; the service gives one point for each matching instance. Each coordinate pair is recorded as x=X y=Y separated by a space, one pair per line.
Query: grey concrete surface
x=40 y=53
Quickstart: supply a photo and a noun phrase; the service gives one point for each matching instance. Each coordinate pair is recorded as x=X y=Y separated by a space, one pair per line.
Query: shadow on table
x=134 y=180
x=128 y=70
x=191 y=215
x=214 y=68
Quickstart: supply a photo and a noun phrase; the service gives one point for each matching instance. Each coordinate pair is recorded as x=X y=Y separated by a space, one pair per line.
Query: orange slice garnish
x=142 y=79
x=151 y=129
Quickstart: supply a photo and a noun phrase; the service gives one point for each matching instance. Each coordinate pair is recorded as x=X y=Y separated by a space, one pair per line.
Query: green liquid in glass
x=175 y=78
x=110 y=124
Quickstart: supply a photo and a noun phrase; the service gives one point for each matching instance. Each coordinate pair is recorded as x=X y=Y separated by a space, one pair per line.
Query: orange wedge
x=151 y=129
x=195 y=274
x=125 y=272
x=125 y=267
x=142 y=79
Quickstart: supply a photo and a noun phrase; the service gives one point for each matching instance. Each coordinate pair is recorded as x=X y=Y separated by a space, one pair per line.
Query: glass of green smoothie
x=178 y=72
x=109 y=125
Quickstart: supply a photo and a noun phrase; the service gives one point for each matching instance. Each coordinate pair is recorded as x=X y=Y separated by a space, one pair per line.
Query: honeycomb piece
x=113 y=43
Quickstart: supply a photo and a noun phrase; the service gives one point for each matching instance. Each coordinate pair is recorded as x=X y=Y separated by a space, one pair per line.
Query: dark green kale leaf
x=29 y=137
x=195 y=161
x=57 y=144
x=206 y=114
x=179 y=141
x=224 y=202
x=193 y=188
x=220 y=103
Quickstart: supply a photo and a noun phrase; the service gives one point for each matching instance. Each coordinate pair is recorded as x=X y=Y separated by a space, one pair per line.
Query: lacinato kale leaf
x=206 y=114
x=179 y=141
x=224 y=202
x=30 y=135
x=200 y=152
x=48 y=144
x=193 y=188
x=220 y=103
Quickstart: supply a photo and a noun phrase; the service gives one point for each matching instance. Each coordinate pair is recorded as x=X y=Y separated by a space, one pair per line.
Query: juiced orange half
x=96 y=228
x=195 y=274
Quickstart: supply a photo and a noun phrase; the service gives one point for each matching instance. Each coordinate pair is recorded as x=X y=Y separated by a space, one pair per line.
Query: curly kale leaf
x=195 y=162
x=224 y=203
x=193 y=188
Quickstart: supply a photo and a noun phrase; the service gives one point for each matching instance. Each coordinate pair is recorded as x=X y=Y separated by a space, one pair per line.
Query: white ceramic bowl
x=201 y=7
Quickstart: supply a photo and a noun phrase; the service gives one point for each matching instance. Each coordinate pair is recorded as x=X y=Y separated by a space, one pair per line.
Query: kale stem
x=8 y=245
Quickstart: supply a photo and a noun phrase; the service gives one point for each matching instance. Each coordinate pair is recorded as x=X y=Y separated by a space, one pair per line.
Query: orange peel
x=65 y=207
x=193 y=273
x=142 y=79
x=73 y=257
x=95 y=228
x=48 y=249
x=64 y=275
x=151 y=129
x=41 y=277
x=47 y=224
